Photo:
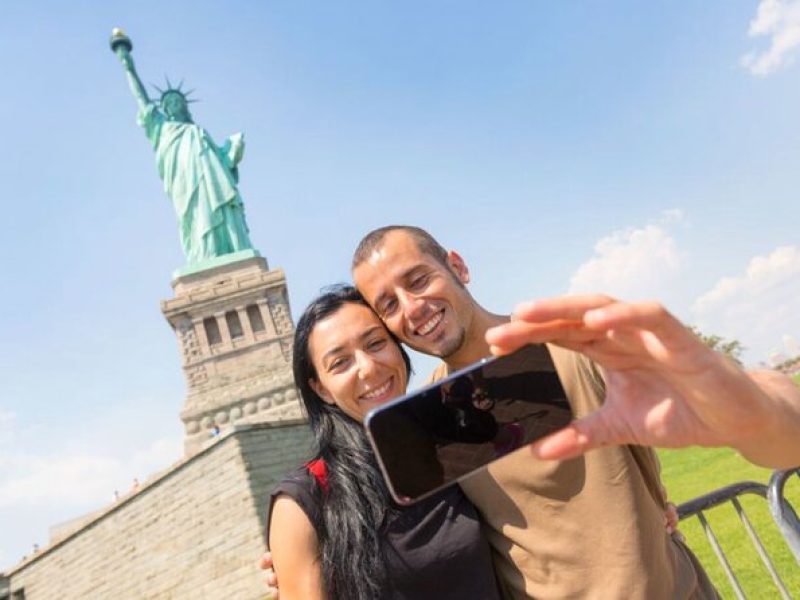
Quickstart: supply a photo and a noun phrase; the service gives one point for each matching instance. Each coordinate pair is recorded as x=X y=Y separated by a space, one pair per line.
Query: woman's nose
x=365 y=363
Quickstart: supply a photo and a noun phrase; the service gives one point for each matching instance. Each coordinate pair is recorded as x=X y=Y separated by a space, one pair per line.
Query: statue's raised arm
x=199 y=176
x=122 y=46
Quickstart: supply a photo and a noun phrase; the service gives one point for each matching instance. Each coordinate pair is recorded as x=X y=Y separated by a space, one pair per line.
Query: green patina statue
x=199 y=176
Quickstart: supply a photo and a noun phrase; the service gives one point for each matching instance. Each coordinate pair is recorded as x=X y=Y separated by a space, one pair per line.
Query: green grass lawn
x=693 y=472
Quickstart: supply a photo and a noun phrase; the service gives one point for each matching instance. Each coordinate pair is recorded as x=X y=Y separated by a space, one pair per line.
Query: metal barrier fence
x=780 y=509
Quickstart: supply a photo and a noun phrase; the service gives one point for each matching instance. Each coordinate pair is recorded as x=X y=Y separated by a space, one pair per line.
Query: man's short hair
x=425 y=243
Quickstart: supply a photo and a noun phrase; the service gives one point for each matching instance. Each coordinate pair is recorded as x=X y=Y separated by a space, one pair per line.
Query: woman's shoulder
x=306 y=485
x=303 y=482
x=301 y=486
x=292 y=538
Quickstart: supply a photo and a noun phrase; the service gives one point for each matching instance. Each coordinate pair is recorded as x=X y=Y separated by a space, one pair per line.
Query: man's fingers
x=562 y=307
x=562 y=445
x=510 y=336
x=651 y=316
x=580 y=436
x=671 y=517
x=599 y=312
x=265 y=562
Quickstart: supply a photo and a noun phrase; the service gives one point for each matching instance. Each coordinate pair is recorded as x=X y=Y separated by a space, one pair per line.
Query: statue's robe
x=200 y=179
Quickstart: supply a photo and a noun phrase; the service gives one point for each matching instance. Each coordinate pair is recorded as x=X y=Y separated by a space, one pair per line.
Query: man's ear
x=458 y=266
x=320 y=390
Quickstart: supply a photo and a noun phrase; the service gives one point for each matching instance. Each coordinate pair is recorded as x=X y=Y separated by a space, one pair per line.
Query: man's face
x=423 y=302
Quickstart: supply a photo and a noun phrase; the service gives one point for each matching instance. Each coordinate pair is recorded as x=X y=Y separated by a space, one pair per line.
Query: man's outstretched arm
x=665 y=388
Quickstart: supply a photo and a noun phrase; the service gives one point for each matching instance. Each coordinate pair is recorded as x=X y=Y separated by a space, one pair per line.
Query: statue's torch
x=119 y=42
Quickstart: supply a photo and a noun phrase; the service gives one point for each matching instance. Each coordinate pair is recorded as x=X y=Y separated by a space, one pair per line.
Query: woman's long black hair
x=356 y=502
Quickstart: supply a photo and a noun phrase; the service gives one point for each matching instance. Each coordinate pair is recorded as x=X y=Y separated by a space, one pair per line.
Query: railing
x=780 y=509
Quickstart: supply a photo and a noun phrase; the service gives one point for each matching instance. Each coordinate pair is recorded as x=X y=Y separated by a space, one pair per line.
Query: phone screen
x=441 y=433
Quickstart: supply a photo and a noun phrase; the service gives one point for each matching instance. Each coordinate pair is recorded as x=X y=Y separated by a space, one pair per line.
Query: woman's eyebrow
x=370 y=331
x=332 y=352
x=340 y=348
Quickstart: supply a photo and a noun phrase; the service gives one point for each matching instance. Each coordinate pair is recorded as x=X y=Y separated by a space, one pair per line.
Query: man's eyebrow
x=382 y=297
x=405 y=275
x=410 y=272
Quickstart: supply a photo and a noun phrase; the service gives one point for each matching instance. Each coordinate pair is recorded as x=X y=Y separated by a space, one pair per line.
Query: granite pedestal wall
x=195 y=531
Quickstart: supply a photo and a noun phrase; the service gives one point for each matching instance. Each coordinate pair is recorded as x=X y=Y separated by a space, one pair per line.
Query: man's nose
x=410 y=304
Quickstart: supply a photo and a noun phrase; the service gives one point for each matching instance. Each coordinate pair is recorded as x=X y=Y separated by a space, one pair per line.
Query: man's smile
x=429 y=325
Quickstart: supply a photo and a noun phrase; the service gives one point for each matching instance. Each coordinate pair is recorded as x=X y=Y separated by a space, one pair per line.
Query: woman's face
x=358 y=365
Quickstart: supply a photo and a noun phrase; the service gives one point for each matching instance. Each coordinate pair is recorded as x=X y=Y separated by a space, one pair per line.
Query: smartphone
x=439 y=434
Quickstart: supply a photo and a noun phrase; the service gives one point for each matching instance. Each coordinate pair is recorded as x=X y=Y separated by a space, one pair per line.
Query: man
x=589 y=527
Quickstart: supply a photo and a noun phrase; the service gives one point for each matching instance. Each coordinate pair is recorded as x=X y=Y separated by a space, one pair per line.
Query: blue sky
x=648 y=150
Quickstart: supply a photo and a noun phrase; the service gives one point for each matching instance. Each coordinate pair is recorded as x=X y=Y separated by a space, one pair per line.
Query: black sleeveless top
x=434 y=549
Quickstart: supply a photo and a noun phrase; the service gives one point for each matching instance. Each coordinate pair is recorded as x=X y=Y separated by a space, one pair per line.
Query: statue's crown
x=170 y=89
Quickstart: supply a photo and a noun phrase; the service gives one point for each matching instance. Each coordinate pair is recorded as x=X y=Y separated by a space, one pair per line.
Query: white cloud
x=42 y=485
x=633 y=263
x=158 y=455
x=791 y=345
x=7 y=423
x=780 y=21
x=70 y=480
x=757 y=307
x=79 y=480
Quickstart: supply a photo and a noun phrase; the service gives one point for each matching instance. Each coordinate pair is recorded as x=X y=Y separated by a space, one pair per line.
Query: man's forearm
x=776 y=443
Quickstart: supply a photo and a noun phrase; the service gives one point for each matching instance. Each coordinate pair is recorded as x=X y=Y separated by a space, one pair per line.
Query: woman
x=333 y=530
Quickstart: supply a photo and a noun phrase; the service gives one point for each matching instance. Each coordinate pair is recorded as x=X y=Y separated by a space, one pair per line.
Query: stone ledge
x=245 y=270
x=218 y=264
x=104 y=513
x=176 y=306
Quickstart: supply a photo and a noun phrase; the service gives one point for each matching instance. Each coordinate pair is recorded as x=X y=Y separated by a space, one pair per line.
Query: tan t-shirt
x=590 y=527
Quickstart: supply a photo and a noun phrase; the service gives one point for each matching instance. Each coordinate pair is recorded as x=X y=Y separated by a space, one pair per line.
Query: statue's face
x=175 y=107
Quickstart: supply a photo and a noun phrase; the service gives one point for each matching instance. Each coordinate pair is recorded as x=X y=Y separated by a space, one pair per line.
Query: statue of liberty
x=199 y=176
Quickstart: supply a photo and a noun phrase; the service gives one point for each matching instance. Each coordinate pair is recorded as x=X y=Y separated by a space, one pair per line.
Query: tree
x=731 y=348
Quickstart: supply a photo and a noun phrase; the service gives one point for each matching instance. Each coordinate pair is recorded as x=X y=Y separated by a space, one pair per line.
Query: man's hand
x=270 y=578
x=664 y=386
x=671 y=518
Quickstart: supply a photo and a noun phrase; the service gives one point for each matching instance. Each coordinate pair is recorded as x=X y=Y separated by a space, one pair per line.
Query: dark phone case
x=443 y=432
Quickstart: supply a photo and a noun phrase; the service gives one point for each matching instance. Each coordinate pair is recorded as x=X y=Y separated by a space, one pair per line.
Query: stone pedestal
x=234 y=330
